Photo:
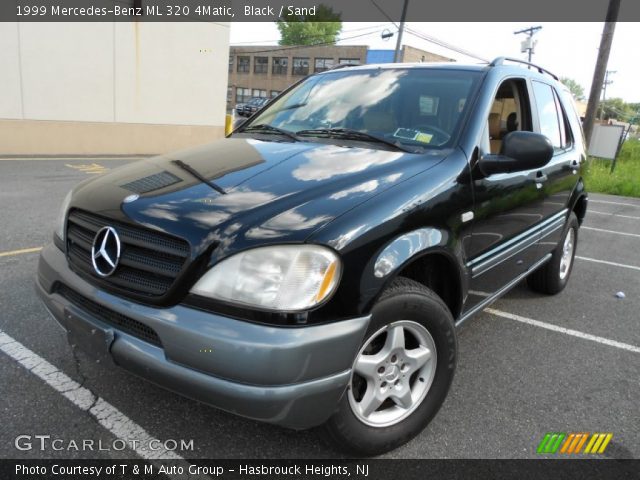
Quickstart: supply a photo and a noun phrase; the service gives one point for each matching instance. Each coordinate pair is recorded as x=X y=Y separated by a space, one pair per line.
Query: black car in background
x=324 y=253
x=252 y=106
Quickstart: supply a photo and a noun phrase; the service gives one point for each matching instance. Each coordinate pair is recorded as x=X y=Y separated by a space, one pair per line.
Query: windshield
x=408 y=106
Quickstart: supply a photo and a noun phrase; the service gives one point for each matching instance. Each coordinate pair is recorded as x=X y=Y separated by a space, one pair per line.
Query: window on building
x=244 y=64
x=322 y=64
x=349 y=61
x=260 y=64
x=230 y=63
x=551 y=120
x=258 y=93
x=300 y=66
x=243 y=95
x=280 y=65
x=229 y=94
x=275 y=93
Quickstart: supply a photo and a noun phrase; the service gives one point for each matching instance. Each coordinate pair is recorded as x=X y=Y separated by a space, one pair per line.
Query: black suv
x=311 y=268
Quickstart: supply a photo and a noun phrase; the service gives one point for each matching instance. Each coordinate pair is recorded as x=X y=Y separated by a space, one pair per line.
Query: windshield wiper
x=350 y=134
x=269 y=129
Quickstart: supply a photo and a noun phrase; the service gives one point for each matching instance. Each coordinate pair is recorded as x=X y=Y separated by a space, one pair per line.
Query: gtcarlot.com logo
x=573 y=443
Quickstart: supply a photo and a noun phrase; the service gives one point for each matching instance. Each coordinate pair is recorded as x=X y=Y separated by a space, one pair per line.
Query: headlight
x=62 y=216
x=284 y=278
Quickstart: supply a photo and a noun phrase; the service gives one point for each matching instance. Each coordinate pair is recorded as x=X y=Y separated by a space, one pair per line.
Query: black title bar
x=117 y=469
x=348 y=10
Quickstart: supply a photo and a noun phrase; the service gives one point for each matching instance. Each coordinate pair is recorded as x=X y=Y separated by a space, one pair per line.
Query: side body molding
x=405 y=247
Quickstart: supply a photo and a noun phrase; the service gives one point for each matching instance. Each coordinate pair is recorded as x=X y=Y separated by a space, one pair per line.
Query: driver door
x=508 y=206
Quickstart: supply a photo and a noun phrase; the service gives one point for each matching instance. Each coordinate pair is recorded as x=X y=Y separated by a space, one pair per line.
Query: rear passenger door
x=559 y=176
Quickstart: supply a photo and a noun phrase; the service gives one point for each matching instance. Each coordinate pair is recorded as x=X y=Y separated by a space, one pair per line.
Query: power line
x=444 y=44
x=384 y=14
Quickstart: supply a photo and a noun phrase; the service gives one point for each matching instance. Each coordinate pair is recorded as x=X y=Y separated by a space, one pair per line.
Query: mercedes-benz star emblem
x=105 y=251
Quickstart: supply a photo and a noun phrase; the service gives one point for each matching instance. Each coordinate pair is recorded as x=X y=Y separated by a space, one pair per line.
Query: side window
x=509 y=112
x=548 y=114
x=565 y=127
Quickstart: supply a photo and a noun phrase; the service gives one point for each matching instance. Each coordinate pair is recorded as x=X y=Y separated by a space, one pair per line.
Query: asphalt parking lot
x=530 y=365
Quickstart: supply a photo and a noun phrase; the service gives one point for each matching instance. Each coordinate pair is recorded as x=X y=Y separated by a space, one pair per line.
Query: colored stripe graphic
x=551 y=442
x=543 y=443
x=598 y=442
x=568 y=442
x=572 y=443
x=581 y=443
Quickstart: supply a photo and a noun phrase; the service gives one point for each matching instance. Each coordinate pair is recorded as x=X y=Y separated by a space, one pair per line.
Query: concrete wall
x=107 y=88
x=412 y=54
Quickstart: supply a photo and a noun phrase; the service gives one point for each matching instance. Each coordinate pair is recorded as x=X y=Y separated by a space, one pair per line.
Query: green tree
x=635 y=109
x=300 y=30
x=617 y=109
x=574 y=87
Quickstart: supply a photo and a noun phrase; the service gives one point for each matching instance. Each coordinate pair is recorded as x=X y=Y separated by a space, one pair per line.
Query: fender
x=407 y=248
x=579 y=200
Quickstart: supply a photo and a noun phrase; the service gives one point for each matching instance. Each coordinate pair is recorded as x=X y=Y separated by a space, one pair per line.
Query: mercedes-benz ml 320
x=324 y=252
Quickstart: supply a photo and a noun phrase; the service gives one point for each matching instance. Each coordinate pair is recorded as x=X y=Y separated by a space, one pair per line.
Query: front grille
x=108 y=316
x=150 y=261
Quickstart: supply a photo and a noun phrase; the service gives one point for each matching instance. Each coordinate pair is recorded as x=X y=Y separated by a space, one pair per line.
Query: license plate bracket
x=94 y=340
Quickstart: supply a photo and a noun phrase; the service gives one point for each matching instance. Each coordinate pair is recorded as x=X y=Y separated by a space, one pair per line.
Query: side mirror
x=520 y=151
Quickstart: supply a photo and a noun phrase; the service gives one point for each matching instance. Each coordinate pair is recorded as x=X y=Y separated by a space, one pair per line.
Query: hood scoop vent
x=152 y=182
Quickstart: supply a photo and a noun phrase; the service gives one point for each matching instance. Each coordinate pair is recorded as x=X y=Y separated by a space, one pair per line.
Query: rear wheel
x=401 y=374
x=553 y=276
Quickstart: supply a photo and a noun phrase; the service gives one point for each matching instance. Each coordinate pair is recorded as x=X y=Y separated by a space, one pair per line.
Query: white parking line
x=614 y=203
x=105 y=414
x=613 y=264
x=566 y=331
x=615 y=215
x=610 y=231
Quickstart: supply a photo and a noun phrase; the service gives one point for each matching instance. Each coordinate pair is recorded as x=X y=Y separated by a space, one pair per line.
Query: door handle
x=541 y=177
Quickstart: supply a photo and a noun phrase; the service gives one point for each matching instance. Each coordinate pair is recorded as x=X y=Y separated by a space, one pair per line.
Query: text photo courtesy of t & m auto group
x=363 y=239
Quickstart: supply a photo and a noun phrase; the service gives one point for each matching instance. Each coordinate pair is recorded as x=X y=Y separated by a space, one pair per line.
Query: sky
x=566 y=49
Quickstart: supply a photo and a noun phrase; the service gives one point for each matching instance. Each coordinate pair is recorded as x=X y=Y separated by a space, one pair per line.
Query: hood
x=241 y=192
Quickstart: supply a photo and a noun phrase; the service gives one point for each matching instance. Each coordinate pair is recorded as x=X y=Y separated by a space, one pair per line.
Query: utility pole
x=601 y=67
x=604 y=90
x=396 y=55
x=528 y=45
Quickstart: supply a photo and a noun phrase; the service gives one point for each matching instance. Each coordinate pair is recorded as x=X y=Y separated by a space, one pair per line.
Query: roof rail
x=501 y=60
x=341 y=65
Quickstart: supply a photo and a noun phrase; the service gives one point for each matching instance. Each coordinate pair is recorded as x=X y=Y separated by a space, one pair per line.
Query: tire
x=554 y=275
x=426 y=322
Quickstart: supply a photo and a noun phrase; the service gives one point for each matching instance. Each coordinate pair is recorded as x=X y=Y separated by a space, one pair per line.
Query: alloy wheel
x=392 y=373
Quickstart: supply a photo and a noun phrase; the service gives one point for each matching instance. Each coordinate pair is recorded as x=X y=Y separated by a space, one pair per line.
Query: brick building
x=265 y=71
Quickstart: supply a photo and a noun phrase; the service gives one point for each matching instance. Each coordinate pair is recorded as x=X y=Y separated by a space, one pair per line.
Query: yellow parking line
x=89 y=169
x=20 y=252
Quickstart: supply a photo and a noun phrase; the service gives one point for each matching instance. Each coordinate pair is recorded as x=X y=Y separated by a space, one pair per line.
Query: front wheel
x=401 y=374
x=553 y=276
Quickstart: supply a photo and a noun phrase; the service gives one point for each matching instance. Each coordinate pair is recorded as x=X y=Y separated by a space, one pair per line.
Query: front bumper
x=293 y=377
